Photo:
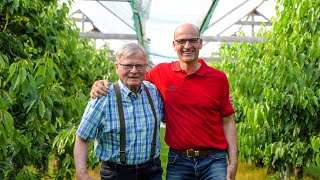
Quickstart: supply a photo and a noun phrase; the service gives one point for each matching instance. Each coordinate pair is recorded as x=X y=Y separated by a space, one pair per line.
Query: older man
x=125 y=123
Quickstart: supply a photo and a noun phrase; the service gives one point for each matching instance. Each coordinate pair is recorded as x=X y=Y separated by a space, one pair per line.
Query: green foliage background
x=46 y=72
x=276 y=89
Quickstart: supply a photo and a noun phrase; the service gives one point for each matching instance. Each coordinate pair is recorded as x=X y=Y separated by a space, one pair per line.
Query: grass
x=312 y=171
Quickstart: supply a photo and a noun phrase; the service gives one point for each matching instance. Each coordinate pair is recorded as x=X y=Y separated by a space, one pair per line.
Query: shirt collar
x=175 y=66
x=126 y=90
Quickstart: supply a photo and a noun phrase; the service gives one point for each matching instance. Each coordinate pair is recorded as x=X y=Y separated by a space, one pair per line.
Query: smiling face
x=187 y=42
x=131 y=67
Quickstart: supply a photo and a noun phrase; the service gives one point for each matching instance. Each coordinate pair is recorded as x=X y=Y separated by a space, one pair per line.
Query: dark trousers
x=150 y=170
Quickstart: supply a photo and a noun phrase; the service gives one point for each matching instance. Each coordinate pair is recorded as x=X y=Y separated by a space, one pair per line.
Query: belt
x=114 y=165
x=196 y=153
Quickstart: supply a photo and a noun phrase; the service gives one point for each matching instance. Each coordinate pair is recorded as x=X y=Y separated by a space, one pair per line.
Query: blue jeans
x=182 y=167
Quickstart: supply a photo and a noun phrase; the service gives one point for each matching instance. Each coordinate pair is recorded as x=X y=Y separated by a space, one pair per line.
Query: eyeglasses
x=191 y=41
x=129 y=67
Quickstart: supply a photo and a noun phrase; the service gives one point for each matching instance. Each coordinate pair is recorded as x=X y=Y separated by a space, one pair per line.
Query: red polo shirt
x=193 y=104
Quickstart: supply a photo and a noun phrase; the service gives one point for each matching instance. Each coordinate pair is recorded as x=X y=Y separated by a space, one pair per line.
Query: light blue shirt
x=101 y=121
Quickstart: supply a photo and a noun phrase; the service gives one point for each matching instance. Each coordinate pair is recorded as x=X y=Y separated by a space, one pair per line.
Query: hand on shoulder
x=99 y=88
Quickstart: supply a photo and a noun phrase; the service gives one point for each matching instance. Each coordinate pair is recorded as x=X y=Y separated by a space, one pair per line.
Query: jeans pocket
x=172 y=158
x=219 y=155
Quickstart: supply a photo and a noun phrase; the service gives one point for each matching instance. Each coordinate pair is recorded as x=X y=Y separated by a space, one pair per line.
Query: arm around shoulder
x=99 y=88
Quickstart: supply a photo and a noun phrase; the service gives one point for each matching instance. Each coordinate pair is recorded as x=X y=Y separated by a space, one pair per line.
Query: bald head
x=187 y=28
x=187 y=43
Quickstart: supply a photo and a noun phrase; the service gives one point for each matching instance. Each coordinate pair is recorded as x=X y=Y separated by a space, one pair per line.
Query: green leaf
x=12 y=71
x=16 y=83
x=58 y=110
x=32 y=82
x=3 y=139
x=25 y=88
x=6 y=96
x=258 y=117
x=315 y=143
x=31 y=105
x=40 y=81
x=318 y=159
x=313 y=22
x=52 y=73
x=41 y=109
x=301 y=59
x=315 y=100
x=48 y=114
x=16 y=4
x=39 y=63
x=2 y=64
x=49 y=101
x=23 y=74
x=304 y=104
x=8 y=123
x=5 y=58
x=309 y=70
x=31 y=117
x=41 y=71
x=21 y=77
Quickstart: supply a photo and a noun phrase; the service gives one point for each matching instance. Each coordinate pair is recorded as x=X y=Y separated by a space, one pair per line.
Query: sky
x=164 y=16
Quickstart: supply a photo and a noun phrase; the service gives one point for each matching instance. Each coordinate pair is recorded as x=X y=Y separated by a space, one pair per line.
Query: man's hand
x=232 y=171
x=99 y=89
